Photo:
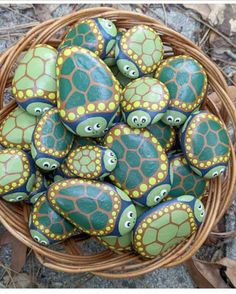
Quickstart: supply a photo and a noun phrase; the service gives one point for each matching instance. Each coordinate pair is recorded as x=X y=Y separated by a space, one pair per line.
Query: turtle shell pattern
x=17 y=174
x=165 y=134
x=186 y=82
x=205 y=143
x=142 y=46
x=35 y=77
x=166 y=225
x=86 y=89
x=49 y=224
x=17 y=128
x=51 y=138
x=141 y=161
x=185 y=181
x=40 y=186
x=90 y=34
x=91 y=206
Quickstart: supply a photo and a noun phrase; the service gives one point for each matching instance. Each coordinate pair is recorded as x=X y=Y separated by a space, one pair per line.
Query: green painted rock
x=88 y=92
x=186 y=81
x=47 y=226
x=51 y=141
x=144 y=102
x=185 y=181
x=139 y=51
x=39 y=188
x=91 y=162
x=17 y=175
x=142 y=169
x=164 y=226
x=205 y=144
x=34 y=82
x=165 y=134
x=16 y=129
x=97 y=35
x=93 y=207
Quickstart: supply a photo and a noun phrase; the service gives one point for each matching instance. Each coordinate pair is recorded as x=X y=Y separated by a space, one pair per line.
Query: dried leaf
x=203 y=9
x=232 y=94
x=18 y=281
x=42 y=12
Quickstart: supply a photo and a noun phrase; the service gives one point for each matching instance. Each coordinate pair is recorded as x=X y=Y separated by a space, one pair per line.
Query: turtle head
x=92 y=127
x=38 y=108
x=127 y=219
x=215 y=172
x=40 y=238
x=110 y=160
x=174 y=118
x=47 y=164
x=108 y=26
x=157 y=194
x=138 y=119
x=199 y=211
x=15 y=197
x=128 y=68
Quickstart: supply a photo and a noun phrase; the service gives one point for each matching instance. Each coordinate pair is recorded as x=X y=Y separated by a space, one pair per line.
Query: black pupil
x=169 y=119
x=135 y=119
x=128 y=224
x=89 y=128
x=37 y=110
x=131 y=214
x=127 y=67
x=45 y=164
x=143 y=120
x=98 y=125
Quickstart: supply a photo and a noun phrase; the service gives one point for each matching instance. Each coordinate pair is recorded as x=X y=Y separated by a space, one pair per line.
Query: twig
x=204 y=38
x=225 y=61
x=17 y=12
x=231 y=54
x=165 y=15
x=18 y=27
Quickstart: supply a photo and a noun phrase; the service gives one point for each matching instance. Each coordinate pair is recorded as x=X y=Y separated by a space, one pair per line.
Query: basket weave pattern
x=107 y=263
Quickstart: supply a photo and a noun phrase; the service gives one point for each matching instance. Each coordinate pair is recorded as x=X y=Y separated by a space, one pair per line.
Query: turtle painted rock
x=17 y=174
x=17 y=128
x=39 y=188
x=34 y=82
x=93 y=207
x=88 y=92
x=205 y=144
x=51 y=141
x=166 y=225
x=186 y=82
x=46 y=225
x=142 y=169
x=144 y=102
x=91 y=162
x=185 y=180
x=165 y=134
x=139 y=51
x=97 y=35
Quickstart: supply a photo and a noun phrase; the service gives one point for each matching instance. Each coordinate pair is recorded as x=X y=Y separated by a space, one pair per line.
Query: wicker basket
x=106 y=263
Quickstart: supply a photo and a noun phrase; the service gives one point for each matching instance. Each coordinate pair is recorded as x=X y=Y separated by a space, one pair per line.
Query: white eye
x=143 y=119
x=178 y=120
x=130 y=214
x=222 y=171
x=111 y=154
x=97 y=127
x=163 y=193
x=43 y=242
x=19 y=198
x=46 y=164
x=109 y=25
x=127 y=224
x=88 y=129
x=215 y=174
x=202 y=214
x=45 y=109
x=53 y=166
x=38 y=110
x=36 y=238
x=134 y=119
x=157 y=198
x=132 y=73
x=111 y=161
x=170 y=118
x=200 y=207
x=126 y=68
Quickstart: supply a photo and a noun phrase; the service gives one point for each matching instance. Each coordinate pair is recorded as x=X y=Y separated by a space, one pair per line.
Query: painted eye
x=97 y=127
x=163 y=193
x=127 y=224
x=202 y=214
x=215 y=174
x=38 y=110
x=105 y=130
x=111 y=161
x=132 y=73
x=222 y=171
x=126 y=68
x=109 y=25
x=88 y=129
x=43 y=242
x=143 y=119
x=178 y=120
x=46 y=164
x=53 y=166
x=130 y=214
x=36 y=238
x=135 y=119
x=111 y=154
x=200 y=207
x=18 y=198
x=157 y=198
x=170 y=118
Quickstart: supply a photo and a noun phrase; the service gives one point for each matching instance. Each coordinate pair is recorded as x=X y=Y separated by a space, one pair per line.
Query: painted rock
x=186 y=81
x=166 y=225
x=165 y=134
x=91 y=162
x=95 y=208
x=139 y=51
x=17 y=174
x=16 y=129
x=89 y=94
x=34 y=82
x=97 y=35
x=205 y=144
x=185 y=180
x=47 y=226
x=144 y=102
x=51 y=141
x=142 y=170
x=39 y=188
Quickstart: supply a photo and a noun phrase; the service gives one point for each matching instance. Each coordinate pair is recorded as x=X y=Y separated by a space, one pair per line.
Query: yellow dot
x=91 y=107
x=29 y=93
x=40 y=92
x=62 y=113
x=162 y=103
x=112 y=106
x=140 y=231
x=117 y=132
x=113 y=213
x=21 y=181
x=194 y=161
x=71 y=116
x=60 y=60
x=208 y=163
x=143 y=187
x=67 y=52
x=154 y=106
x=152 y=181
x=164 y=166
x=144 y=225
x=163 y=157
x=101 y=106
x=160 y=176
x=14 y=90
x=25 y=174
x=136 y=103
x=80 y=110
x=20 y=94
x=52 y=95
x=166 y=210
x=144 y=67
x=149 y=220
x=159 y=148
x=109 y=139
x=135 y=193
x=138 y=237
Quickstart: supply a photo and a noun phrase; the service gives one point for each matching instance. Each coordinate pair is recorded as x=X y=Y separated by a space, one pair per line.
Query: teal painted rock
x=89 y=94
x=185 y=180
x=47 y=226
x=16 y=129
x=39 y=188
x=144 y=102
x=165 y=134
x=34 y=81
x=142 y=170
x=164 y=226
x=17 y=175
x=139 y=51
x=205 y=144
x=51 y=141
x=91 y=162
x=186 y=81
x=97 y=35
x=93 y=207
